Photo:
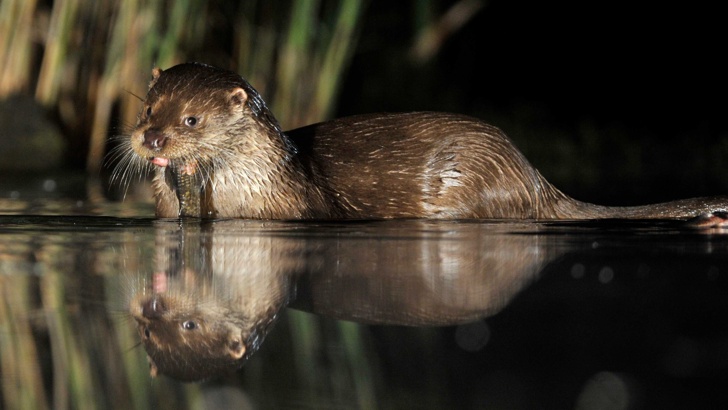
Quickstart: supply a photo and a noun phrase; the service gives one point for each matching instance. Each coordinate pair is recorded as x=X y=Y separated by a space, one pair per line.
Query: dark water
x=396 y=314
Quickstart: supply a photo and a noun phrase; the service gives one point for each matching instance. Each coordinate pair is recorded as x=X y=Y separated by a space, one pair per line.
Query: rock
x=29 y=141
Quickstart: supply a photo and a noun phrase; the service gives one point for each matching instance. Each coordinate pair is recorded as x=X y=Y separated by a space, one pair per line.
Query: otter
x=217 y=151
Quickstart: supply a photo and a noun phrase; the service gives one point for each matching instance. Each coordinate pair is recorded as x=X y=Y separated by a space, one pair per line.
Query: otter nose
x=153 y=308
x=154 y=139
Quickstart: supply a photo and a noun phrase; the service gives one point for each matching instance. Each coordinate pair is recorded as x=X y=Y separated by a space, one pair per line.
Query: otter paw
x=718 y=219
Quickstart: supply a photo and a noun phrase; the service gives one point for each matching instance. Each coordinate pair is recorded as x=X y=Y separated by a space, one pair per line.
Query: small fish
x=188 y=189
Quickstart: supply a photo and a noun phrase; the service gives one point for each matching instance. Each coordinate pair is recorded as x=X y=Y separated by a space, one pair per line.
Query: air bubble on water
x=606 y=274
x=472 y=337
x=49 y=185
x=607 y=390
x=578 y=270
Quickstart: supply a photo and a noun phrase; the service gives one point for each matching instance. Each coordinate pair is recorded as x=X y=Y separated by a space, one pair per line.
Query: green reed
x=71 y=367
x=16 y=41
x=332 y=358
x=361 y=370
x=20 y=366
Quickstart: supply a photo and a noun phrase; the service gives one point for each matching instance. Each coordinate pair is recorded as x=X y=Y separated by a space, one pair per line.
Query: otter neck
x=277 y=185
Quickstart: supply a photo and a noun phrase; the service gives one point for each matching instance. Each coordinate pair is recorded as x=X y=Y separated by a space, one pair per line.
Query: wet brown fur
x=413 y=165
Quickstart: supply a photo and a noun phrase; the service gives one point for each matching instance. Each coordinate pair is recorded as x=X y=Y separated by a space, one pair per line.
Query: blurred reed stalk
x=333 y=357
x=311 y=61
x=16 y=44
x=71 y=362
x=20 y=364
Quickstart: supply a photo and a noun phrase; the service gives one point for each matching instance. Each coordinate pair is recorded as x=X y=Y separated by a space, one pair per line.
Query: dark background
x=615 y=102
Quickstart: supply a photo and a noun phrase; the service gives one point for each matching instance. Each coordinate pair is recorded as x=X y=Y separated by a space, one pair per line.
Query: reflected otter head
x=192 y=341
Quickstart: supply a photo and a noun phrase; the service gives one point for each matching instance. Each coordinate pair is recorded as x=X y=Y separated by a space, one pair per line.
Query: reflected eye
x=189 y=325
x=191 y=121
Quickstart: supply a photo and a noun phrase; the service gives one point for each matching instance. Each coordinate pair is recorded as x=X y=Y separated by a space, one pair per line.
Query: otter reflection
x=220 y=286
x=214 y=296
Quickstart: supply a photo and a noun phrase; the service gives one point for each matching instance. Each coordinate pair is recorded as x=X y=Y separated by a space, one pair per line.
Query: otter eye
x=149 y=111
x=147 y=333
x=191 y=121
x=189 y=325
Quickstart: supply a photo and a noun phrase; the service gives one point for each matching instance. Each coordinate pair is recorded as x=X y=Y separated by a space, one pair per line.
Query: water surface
x=368 y=314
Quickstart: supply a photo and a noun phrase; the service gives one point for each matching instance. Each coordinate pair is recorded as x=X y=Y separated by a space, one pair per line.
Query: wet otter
x=219 y=152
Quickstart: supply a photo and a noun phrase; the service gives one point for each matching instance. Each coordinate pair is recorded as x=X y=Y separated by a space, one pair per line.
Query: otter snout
x=154 y=140
x=153 y=308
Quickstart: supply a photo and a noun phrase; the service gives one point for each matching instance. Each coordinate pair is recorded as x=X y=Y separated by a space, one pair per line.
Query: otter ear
x=156 y=72
x=236 y=348
x=153 y=371
x=238 y=96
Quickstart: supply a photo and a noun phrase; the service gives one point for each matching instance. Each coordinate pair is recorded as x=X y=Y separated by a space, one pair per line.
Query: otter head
x=189 y=342
x=189 y=112
x=198 y=123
